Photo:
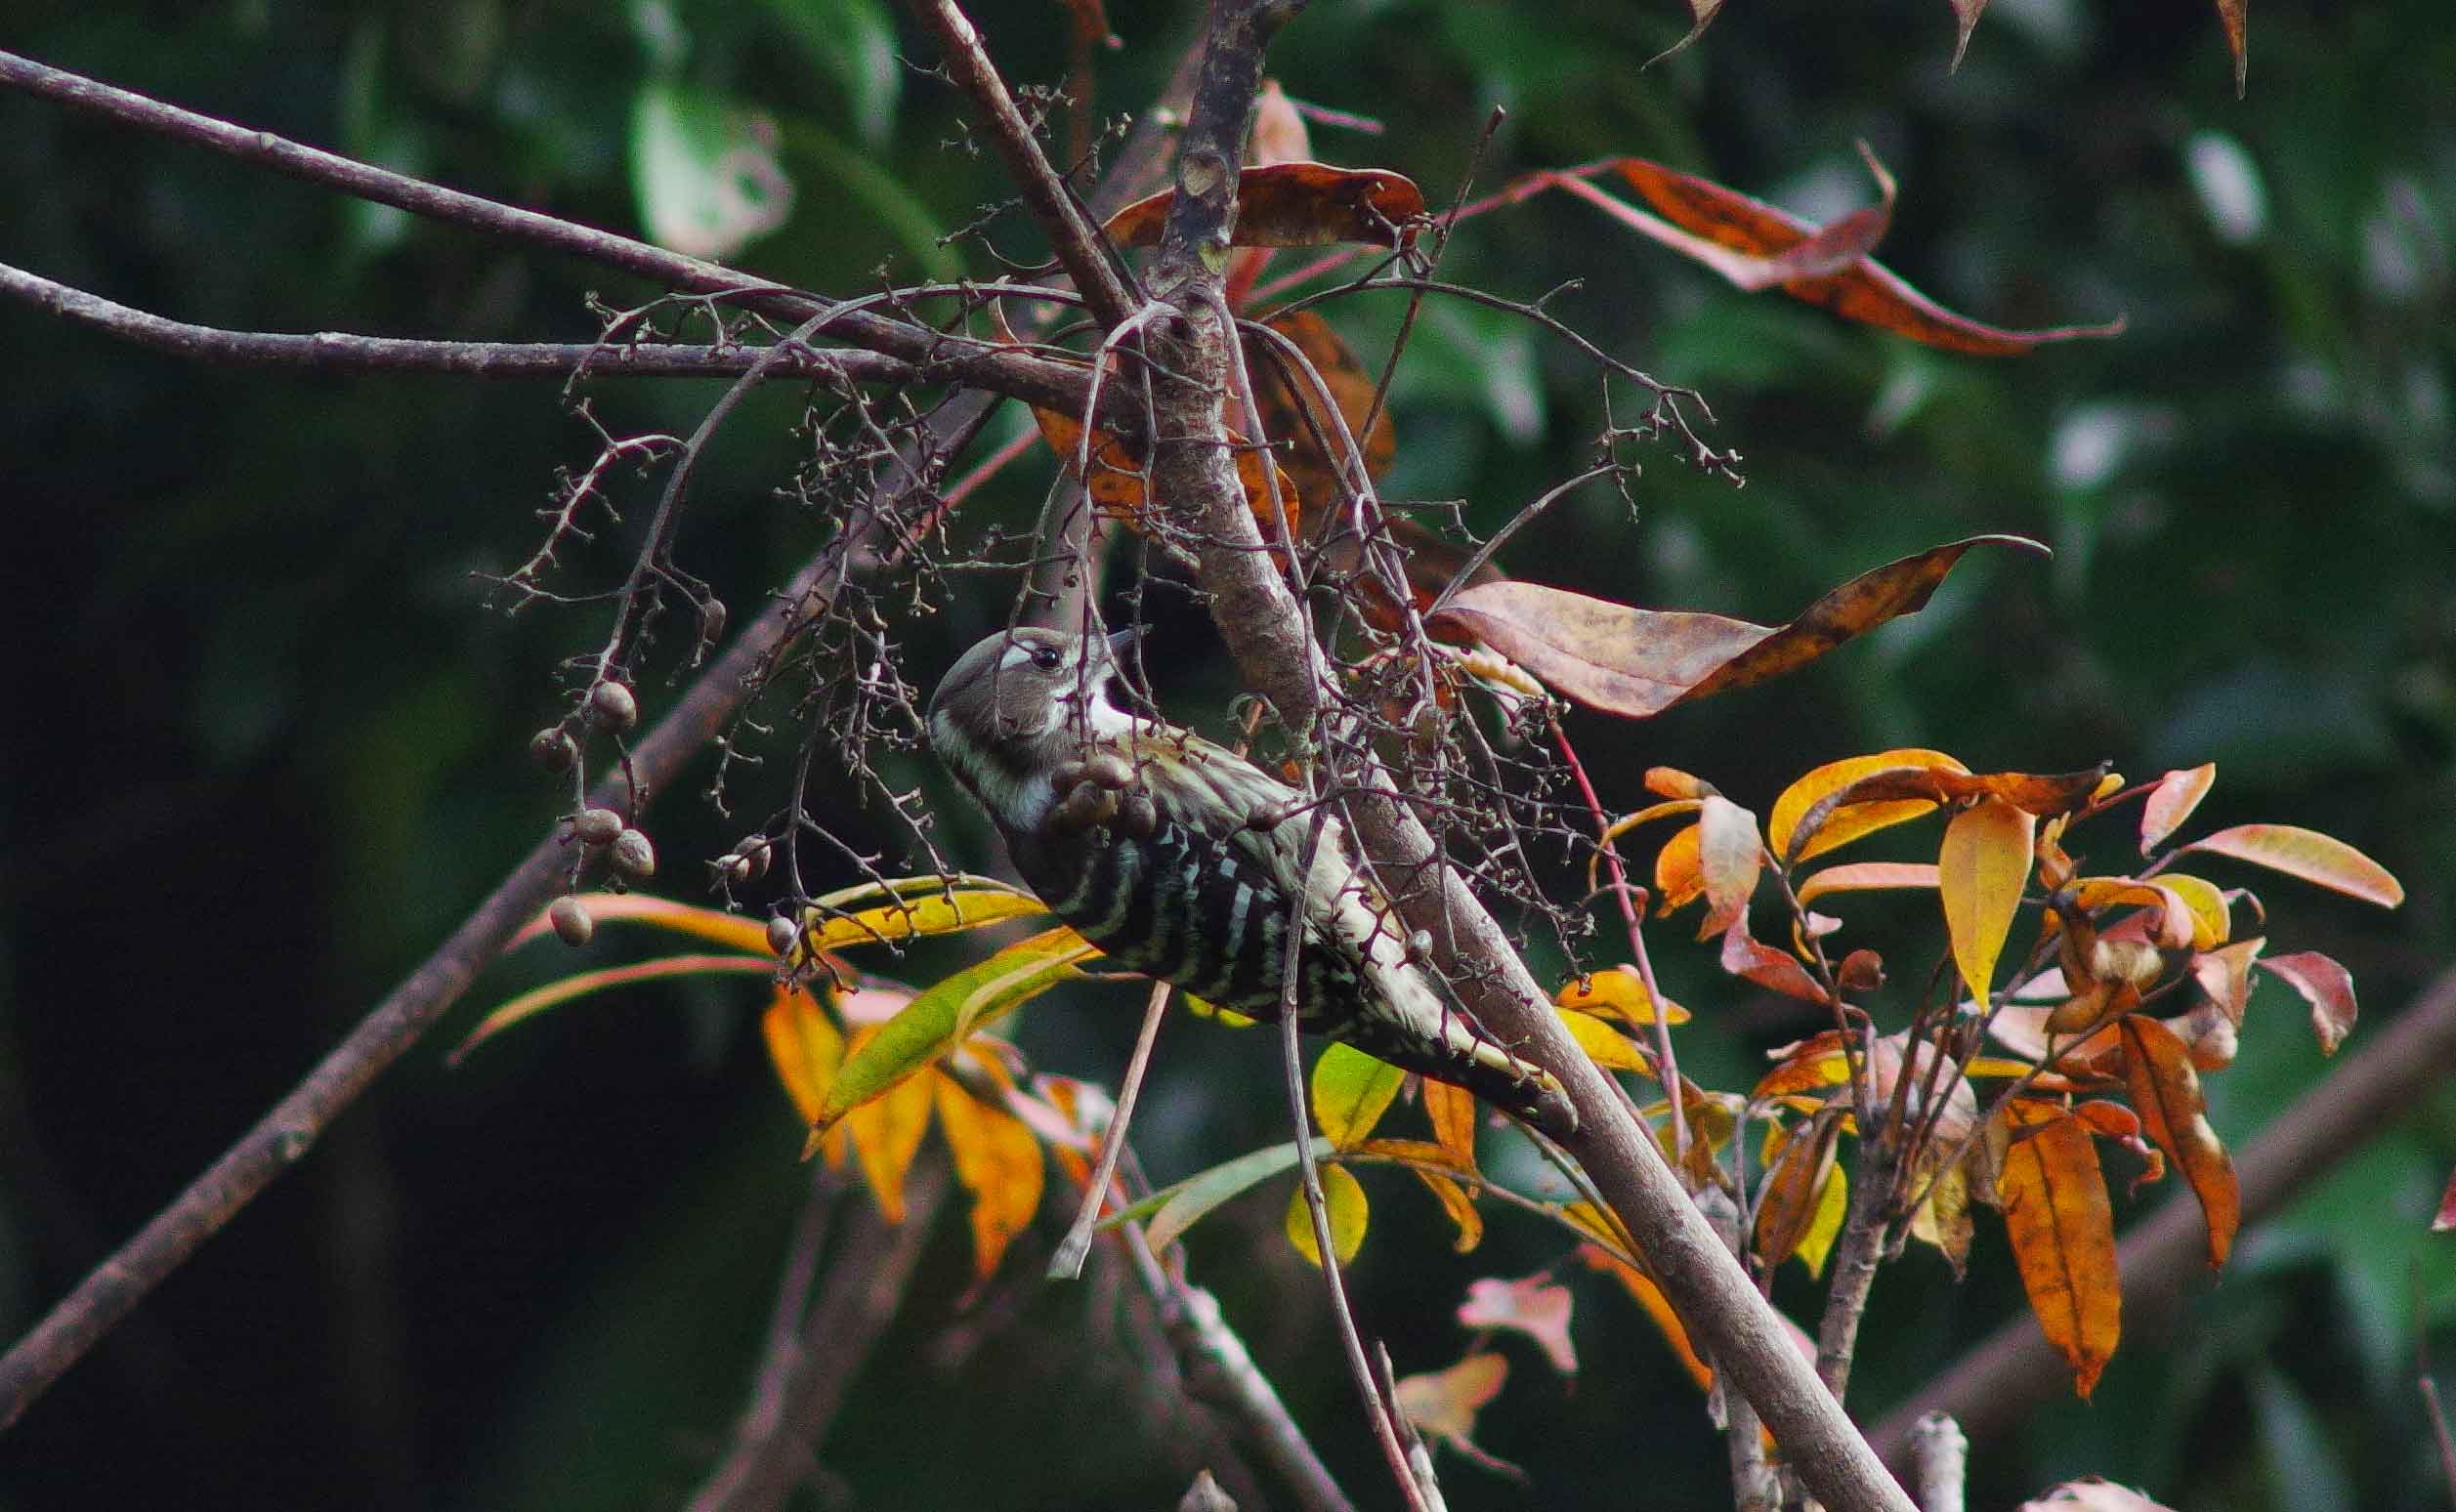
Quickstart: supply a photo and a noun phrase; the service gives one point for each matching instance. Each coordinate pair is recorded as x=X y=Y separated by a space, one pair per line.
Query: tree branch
x=1080 y=248
x=1996 y=1382
x=933 y=355
x=1263 y=623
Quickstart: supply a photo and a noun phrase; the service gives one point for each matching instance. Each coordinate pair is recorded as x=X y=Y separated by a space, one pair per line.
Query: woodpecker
x=1181 y=860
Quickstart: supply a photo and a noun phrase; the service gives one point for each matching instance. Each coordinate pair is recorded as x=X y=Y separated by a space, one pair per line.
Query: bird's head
x=1022 y=701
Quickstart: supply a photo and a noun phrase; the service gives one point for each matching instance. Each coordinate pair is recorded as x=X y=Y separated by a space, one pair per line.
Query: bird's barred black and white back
x=1186 y=863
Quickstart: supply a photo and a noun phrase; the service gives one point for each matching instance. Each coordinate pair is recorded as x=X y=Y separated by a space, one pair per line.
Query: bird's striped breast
x=1188 y=908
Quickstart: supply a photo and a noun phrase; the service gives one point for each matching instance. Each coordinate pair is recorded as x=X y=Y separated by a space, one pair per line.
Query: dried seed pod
x=1861 y=971
x=571 y=920
x=612 y=708
x=1109 y=769
x=2134 y=961
x=632 y=857
x=782 y=934
x=553 y=749
x=597 y=826
x=1137 y=815
x=1067 y=775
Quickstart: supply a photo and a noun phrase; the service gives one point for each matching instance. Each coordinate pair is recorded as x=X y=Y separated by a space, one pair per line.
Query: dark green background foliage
x=262 y=739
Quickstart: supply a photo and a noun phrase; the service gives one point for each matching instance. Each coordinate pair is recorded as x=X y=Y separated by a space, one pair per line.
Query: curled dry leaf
x=1635 y=662
x=2326 y=985
x=1746 y=956
x=1307 y=436
x=1747 y=241
x=2165 y=1091
x=1298 y=204
x=1804 y=825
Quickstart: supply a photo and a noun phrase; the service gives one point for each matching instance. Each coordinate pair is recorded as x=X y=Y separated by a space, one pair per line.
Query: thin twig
x=1067 y=1263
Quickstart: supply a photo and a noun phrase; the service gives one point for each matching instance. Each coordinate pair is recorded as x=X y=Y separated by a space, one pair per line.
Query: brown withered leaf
x=2165 y=1092
x=1700 y=14
x=1787 y=1203
x=1117 y=477
x=1744 y=240
x=1748 y=957
x=2232 y=15
x=1635 y=662
x=1296 y=205
x=2062 y=1227
x=1297 y=425
x=1964 y=21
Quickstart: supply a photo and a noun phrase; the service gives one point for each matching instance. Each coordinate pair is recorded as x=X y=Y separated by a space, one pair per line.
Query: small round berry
x=782 y=934
x=632 y=857
x=571 y=920
x=553 y=749
x=612 y=708
x=597 y=826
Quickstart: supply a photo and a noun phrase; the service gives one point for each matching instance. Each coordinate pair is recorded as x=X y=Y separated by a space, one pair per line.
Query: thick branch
x=1080 y=248
x=1265 y=630
x=1019 y=374
x=2000 y=1380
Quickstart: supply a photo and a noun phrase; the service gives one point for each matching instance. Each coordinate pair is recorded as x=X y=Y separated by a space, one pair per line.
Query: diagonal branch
x=1081 y=250
x=1264 y=625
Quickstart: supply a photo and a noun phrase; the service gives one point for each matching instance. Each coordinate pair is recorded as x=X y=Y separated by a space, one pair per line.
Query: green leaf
x=1175 y=1209
x=855 y=42
x=1344 y=1198
x=704 y=175
x=943 y=1015
x=1351 y=1091
x=909 y=908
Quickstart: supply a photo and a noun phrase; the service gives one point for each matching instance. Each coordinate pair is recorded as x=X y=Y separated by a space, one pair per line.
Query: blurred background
x=262 y=739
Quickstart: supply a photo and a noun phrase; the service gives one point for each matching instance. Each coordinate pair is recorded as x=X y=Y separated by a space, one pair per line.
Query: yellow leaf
x=1351 y=1091
x=1980 y=872
x=999 y=1162
x=1617 y=992
x=909 y=908
x=1603 y=1044
x=2212 y=922
x=1842 y=825
x=1833 y=1200
x=1344 y=1196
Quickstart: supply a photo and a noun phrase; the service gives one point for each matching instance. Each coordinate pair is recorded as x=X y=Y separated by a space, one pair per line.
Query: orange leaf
x=1637 y=662
x=1452 y=1112
x=2309 y=855
x=886 y=1134
x=2062 y=1227
x=1830 y=825
x=714 y=925
x=1296 y=205
x=2324 y=984
x=1787 y=1203
x=1979 y=873
x=1744 y=239
x=2166 y=1094
x=1678 y=877
x=1444 y=1404
x=999 y=1161
x=805 y=1046
x=2232 y=15
x=2171 y=801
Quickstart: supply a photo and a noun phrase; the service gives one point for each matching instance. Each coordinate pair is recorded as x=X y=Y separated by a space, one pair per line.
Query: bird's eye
x=1045 y=657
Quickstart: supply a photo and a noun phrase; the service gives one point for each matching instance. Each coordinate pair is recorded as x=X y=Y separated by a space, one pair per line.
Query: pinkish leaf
x=2326 y=985
x=1535 y=1305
